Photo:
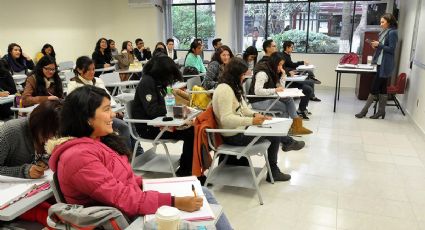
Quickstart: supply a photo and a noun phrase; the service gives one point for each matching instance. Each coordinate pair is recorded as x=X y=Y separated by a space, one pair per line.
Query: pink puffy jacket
x=90 y=173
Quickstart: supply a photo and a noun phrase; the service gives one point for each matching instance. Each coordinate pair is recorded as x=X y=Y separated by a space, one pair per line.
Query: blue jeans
x=286 y=105
x=222 y=222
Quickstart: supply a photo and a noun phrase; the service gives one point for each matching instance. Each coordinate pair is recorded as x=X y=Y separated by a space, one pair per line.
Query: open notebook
x=181 y=186
x=13 y=189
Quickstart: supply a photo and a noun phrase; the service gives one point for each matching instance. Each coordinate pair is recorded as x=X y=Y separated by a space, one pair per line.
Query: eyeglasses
x=50 y=69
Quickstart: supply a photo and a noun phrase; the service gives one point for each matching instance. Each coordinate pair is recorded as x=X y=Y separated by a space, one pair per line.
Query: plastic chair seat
x=237 y=150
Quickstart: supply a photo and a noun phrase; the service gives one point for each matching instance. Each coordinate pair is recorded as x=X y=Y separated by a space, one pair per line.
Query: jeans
x=222 y=222
x=286 y=105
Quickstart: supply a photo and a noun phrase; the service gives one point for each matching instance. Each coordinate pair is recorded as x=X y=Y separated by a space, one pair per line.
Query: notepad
x=275 y=120
x=181 y=186
x=291 y=92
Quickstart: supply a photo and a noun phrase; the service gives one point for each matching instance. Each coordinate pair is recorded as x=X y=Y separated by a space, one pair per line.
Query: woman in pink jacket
x=92 y=166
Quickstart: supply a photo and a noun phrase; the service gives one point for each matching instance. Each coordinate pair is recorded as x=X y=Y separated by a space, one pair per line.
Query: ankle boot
x=381 y=107
x=369 y=102
x=297 y=127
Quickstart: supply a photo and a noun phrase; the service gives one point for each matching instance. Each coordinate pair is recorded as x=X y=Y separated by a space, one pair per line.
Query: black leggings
x=379 y=84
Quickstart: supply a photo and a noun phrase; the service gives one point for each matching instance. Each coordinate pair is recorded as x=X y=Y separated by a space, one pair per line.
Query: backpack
x=199 y=100
x=349 y=58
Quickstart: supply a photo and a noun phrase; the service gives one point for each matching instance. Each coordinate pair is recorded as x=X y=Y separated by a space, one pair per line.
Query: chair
x=150 y=160
x=113 y=80
x=238 y=176
x=393 y=90
x=246 y=86
x=66 y=65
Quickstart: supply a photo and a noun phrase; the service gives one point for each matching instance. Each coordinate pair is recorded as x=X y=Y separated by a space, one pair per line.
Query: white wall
x=73 y=27
x=414 y=99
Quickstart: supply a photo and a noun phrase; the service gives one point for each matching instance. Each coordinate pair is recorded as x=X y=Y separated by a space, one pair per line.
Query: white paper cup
x=167 y=218
x=369 y=60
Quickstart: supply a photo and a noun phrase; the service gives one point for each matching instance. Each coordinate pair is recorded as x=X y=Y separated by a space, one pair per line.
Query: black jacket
x=148 y=101
x=147 y=55
x=262 y=66
x=100 y=59
x=6 y=80
x=289 y=64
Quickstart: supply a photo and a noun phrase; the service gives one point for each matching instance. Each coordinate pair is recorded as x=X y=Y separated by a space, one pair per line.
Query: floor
x=352 y=174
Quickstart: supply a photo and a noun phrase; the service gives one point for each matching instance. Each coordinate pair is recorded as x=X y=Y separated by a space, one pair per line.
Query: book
x=181 y=186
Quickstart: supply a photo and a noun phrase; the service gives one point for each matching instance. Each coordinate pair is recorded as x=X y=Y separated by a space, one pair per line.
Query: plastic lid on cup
x=167 y=213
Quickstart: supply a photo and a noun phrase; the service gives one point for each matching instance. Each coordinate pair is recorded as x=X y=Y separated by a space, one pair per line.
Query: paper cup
x=369 y=60
x=167 y=218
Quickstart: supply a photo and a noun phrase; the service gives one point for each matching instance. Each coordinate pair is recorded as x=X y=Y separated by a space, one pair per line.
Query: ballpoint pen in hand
x=193 y=190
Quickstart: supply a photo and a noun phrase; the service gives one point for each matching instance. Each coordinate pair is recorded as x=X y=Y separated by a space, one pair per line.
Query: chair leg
x=254 y=178
x=211 y=169
x=269 y=169
x=134 y=152
x=398 y=105
x=173 y=171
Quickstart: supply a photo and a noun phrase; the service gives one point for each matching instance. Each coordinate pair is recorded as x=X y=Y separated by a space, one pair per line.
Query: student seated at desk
x=84 y=75
x=142 y=53
x=102 y=56
x=159 y=49
x=18 y=61
x=43 y=84
x=266 y=81
x=250 y=56
x=91 y=162
x=193 y=57
x=232 y=112
x=125 y=59
x=220 y=59
x=112 y=47
x=158 y=73
x=46 y=50
x=7 y=87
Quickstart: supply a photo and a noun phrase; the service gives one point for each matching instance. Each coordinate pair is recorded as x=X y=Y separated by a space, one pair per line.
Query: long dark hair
x=39 y=77
x=390 y=19
x=47 y=45
x=79 y=106
x=124 y=46
x=219 y=51
x=250 y=51
x=163 y=69
x=231 y=76
x=106 y=52
x=41 y=130
x=273 y=63
x=21 y=58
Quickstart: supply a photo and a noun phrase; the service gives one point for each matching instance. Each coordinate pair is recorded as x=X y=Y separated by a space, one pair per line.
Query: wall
x=73 y=27
x=414 y=98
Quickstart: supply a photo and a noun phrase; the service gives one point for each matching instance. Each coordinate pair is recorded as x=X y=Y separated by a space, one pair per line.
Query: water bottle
x=170 y=101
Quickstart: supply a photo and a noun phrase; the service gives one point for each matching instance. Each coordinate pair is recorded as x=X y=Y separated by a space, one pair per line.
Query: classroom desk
x=216 y=208
x=19 y=78
x=8 y=99
x=295 y=78
x=106 y=69
x=288 y=92
x=24 y=205
x=131 y=72
x=340 y=70
x=118 y=85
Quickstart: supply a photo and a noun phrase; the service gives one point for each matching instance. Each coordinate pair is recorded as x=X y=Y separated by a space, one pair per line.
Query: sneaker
x=315 y=99
x=303 y=115
x=278 y=176
x=307 y=112
x=294 y=145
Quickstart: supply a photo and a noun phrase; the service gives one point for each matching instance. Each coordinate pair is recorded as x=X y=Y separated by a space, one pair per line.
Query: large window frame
x=268 y=3
x=195 y=5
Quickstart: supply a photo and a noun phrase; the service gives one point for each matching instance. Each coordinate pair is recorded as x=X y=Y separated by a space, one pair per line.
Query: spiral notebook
x=181 y=186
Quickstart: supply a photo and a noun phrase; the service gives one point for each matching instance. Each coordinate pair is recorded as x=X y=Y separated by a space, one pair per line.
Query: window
x=192 y=19
x=315 y=26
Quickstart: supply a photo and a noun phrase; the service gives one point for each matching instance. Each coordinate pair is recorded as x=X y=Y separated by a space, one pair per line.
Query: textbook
x=181 y=186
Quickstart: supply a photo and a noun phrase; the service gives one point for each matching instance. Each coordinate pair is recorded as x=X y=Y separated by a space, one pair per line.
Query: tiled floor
x=352 y=174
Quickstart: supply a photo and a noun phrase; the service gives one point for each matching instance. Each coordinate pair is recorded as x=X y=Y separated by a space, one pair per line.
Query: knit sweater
x=16 y=148
x=211 y=77
x=228 y=111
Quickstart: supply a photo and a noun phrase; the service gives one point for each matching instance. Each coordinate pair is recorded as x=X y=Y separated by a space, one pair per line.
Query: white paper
x=291 y=92
x=48 y=176
x=305 y=67
x=180 y=186
x=275 y=120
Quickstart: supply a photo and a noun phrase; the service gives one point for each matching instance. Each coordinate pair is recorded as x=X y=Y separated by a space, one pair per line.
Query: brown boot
x=297 y=127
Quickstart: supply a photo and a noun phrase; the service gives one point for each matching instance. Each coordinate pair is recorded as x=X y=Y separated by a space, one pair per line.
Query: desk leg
x=339 y=84
x=336 y=90
x=270 y=107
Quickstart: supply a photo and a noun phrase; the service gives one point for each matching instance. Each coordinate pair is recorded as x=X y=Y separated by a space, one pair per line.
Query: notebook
x=291 y=92
x=181 y=186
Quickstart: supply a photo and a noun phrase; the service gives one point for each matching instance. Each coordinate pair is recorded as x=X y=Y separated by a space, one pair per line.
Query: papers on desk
x=275 y=120
x=306 y=67
x=291 y=92
x=181 y=186
x=296 y=78
x=179 y=85
x=13 y=188
x=359 y=66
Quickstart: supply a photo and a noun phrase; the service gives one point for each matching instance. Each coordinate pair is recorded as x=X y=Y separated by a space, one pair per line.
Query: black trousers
x=307 y=89
x=379 y=84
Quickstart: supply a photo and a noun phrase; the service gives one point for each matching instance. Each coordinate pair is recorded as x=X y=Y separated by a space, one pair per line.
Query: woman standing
x=384 y=59
x=220 y=59
x=43 y=84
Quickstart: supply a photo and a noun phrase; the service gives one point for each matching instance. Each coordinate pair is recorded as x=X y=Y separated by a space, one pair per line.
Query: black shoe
x=181 y=172
x=278 y=176
x=315 y=80
x=294 y=145
x=202 y=179
x=315 y=99
x=303 y=115
x=307 y=112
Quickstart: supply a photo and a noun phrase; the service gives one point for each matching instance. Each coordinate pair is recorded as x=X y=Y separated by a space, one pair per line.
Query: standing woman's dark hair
x=79 y=106
x=163 y=69
x=40 y=78
x=232 y=76
x=390 y=19
x=220 y=50
x=46 y=46
x=41 y=130
x=83 y=63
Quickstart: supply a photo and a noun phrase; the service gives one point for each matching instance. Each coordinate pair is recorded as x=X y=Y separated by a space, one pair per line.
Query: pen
x=193 y=190
x=264 y=126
